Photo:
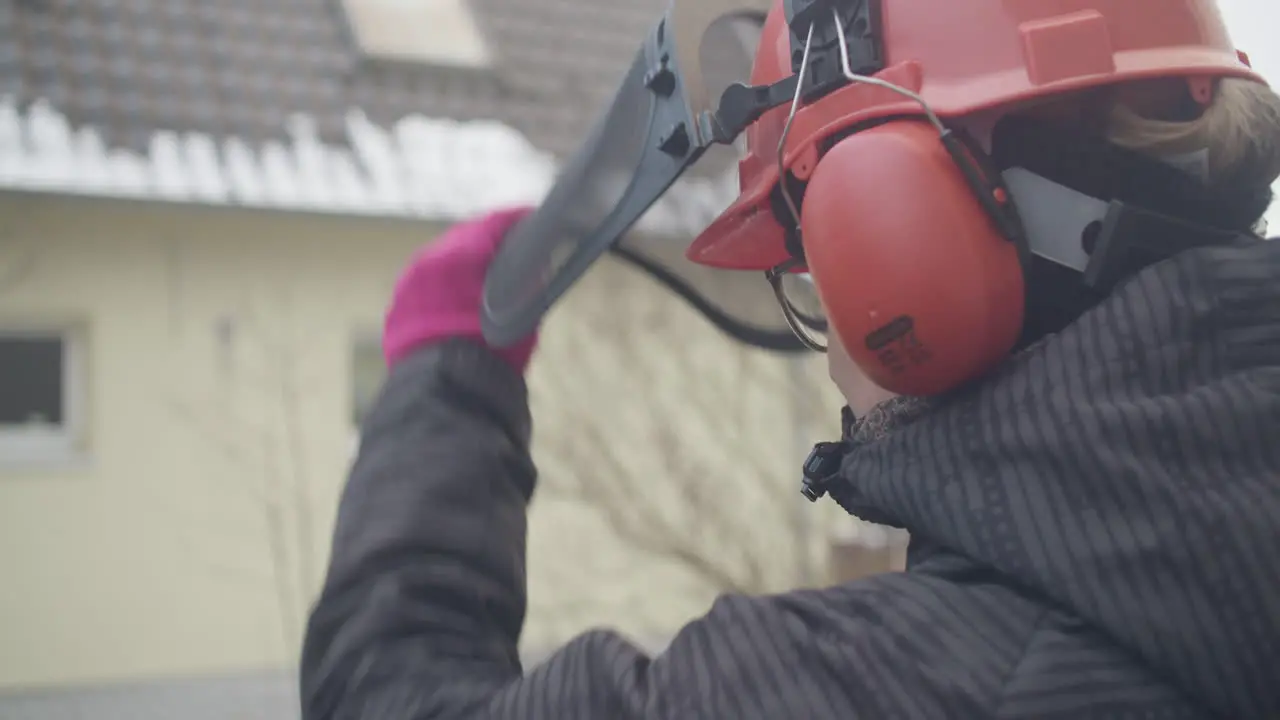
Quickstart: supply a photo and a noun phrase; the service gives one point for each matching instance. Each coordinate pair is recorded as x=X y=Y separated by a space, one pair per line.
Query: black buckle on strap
x=821 y=468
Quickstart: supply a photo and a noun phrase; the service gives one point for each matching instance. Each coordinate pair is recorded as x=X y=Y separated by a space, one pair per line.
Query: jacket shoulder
x=907 y=645
x=1069 y=671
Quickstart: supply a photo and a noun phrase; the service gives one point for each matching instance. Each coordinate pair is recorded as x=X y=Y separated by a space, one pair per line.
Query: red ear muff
x=917 y=280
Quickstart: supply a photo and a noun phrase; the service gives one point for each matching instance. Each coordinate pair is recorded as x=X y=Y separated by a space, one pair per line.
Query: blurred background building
x=203 y=206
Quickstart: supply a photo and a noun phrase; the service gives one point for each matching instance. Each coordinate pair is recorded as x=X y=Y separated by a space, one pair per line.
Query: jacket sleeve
x=425 y=596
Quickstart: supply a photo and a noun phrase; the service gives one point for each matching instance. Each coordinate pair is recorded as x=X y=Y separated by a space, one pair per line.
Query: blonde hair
x=1240 y=130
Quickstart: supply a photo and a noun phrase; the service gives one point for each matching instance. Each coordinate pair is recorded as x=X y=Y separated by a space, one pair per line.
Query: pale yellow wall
x=218 y=346
x=151 y=555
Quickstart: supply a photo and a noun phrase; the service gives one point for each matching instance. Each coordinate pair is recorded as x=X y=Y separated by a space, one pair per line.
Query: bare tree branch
x=698 y=463
x=291 y=416
x=266 y=452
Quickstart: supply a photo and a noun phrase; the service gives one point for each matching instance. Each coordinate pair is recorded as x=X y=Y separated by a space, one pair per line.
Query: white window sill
x=74 y=462
x=25 y=452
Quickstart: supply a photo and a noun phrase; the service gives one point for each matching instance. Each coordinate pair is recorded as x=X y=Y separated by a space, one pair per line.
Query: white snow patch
x=423 y=167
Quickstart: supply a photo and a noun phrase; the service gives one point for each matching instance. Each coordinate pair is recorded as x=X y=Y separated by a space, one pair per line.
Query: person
x=1090 y=518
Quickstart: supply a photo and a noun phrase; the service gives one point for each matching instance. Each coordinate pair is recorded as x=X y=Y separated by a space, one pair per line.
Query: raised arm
x=425 y=597
x=424 y=600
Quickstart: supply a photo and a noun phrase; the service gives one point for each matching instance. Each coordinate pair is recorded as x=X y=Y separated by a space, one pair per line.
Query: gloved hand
x=439 y=294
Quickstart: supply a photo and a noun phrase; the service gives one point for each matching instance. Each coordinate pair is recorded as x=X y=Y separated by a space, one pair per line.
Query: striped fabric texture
x=1091 y=532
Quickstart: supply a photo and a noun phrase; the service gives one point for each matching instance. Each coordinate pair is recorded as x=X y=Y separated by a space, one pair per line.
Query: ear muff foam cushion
x=918 y=283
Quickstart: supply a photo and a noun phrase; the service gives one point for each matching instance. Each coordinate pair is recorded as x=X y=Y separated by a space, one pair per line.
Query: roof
x=274 y=104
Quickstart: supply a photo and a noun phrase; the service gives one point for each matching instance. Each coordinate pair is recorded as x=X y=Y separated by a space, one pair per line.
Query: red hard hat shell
x=962 y=56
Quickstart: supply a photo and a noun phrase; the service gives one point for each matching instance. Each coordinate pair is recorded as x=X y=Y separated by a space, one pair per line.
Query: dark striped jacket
x=1091 y=532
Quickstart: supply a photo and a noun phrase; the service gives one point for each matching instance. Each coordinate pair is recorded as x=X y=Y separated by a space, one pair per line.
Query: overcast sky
x=1254 y=25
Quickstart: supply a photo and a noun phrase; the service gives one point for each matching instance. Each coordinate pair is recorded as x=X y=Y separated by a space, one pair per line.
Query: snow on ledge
x=422 y=167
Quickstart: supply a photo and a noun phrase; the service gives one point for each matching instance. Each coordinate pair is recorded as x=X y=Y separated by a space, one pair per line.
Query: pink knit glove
x=438 y=296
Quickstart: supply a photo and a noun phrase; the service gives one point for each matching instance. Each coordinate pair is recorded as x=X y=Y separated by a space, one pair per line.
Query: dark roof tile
x=242 y=67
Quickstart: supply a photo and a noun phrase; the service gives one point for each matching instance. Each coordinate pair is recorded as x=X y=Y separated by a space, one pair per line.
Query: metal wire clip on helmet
x=826 y=60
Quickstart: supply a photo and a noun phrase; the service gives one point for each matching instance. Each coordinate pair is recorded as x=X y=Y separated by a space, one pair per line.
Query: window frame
x=35 y=447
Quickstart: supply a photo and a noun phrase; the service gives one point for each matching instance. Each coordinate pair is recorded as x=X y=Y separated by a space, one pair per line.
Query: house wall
x=191 y=534
x=172 y=546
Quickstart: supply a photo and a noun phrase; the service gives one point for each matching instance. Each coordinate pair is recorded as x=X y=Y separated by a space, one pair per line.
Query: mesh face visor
x=670 y=112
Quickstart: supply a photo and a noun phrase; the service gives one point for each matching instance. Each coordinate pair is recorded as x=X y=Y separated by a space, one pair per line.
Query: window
x=40 y=396
x=430 y=31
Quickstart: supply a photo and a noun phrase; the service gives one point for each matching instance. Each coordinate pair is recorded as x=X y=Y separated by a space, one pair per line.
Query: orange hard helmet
x=922 y=280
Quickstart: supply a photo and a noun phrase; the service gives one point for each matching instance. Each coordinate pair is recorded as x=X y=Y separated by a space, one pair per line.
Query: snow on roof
x=421 y=167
